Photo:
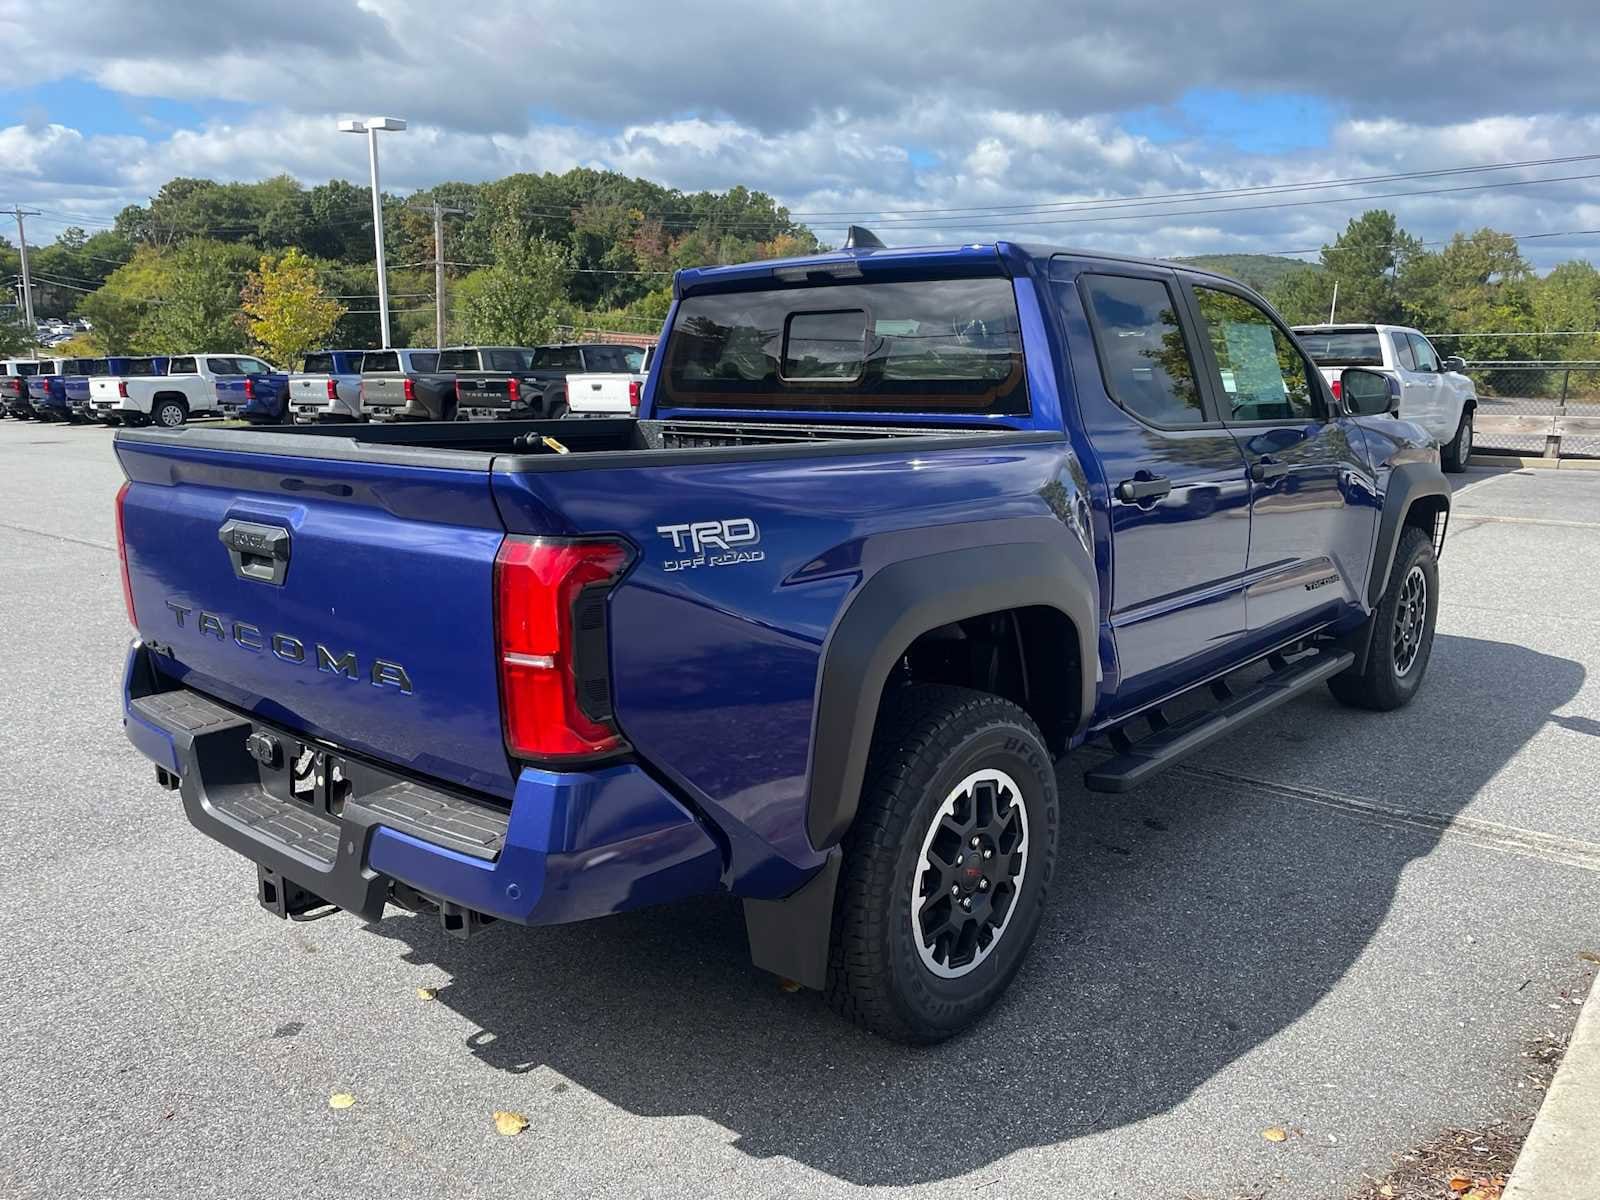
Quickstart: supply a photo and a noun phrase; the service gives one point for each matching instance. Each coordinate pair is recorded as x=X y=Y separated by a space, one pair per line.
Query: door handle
x=1131 y=491
x=1265 y=470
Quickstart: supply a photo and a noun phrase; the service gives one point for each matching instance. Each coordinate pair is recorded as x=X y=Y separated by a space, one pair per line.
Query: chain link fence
x=1542 y=408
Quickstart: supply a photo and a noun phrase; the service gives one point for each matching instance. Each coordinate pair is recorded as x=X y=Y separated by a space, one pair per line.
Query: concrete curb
x=1536 y=461
x=1561 y=1158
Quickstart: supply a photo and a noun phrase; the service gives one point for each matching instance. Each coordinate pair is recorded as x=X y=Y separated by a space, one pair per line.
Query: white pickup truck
x=610 y=393
x=1433 y=391
x=193 y=384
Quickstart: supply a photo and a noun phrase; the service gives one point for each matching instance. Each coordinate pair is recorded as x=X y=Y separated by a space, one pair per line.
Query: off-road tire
x=928 y=740
x=1382 y=686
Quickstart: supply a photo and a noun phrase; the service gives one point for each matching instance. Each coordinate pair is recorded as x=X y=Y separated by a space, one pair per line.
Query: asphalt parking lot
x=1344 y=925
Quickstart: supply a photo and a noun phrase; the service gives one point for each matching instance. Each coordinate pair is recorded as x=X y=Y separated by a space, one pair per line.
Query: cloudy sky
x=927 y=121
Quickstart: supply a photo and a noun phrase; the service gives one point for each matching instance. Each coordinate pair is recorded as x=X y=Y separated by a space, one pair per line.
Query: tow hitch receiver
x=286 y=898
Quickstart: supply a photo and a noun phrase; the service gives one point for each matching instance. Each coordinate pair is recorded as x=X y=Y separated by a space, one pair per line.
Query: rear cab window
x=949 y=346
x=556 y=358
x=611 y=359
x=425 y=361
x=1343 y=347
x=380 y=360
x=505 y=360
x=182 y=366
x=318 y=364
x=458 y=360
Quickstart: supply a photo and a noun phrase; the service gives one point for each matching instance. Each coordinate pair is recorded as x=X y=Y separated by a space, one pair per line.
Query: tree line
x=285 y=268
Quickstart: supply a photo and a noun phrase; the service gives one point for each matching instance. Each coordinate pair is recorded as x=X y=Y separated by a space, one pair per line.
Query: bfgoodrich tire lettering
x=929 y=741
x=1402 y=637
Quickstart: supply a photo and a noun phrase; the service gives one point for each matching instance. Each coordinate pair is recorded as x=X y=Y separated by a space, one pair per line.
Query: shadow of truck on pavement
x=1153 y=970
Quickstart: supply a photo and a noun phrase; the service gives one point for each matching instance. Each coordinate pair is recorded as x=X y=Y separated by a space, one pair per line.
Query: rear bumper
x=573 y=845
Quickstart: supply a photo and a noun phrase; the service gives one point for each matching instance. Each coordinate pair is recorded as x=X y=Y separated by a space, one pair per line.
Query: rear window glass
x=507 y=360
x=181 y=366
x=458 y=360
x=611 y=358
x=25 y=368
x=380 y=360
x=557 y=358
x=1343 y=348
x=425 y=362
x=319 y=364
x=938 y=345
x=140 y=366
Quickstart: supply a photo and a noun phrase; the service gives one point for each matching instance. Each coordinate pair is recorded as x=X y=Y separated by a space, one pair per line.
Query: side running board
x=1169 y=742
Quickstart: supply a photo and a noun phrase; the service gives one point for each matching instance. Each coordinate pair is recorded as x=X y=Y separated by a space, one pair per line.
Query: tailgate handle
x=259 y=552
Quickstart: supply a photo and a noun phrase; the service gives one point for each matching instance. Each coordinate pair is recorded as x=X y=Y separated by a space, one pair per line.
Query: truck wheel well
x=1425 y=514
x=1027 y=655
x=178 y=396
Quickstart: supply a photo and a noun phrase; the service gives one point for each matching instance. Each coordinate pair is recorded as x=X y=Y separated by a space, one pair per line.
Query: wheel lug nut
x=988 y=853
x=976 y=842
x=983 y=885
x=955 y=889
x=967 y=904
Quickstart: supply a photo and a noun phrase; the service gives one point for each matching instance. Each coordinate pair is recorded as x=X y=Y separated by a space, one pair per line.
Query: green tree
x=200 y=307
x=122 y=310
x=520 y=299
x=286 y=310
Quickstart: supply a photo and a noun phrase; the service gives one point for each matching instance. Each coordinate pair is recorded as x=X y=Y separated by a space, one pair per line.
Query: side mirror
x=1369 y=393
x=1454 y=363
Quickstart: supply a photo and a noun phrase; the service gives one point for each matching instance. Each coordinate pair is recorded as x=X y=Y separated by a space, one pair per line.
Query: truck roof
x=974 y=257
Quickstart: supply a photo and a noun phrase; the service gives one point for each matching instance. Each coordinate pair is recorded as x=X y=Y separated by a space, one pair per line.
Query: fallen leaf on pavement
x=509 y=1123
x=1589 y=955
x=427 y=994
x=1386 y=1190
x=341 y=1100
x=1274 y=1134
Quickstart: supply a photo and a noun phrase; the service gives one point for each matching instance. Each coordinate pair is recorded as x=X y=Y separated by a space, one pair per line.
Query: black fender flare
x=891 y=610
x=1408 y=484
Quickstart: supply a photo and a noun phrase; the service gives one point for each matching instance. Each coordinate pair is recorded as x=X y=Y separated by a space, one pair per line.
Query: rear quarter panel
x=716 y=667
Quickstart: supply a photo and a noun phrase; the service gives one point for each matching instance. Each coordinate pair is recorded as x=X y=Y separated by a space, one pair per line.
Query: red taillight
x=249 y=389
x=550 y=629
x=333 y=389
x=122 y=388
x=410 y=389
x=1336 y=389
x=514 y=391
x=635 y=389
x=122 y=555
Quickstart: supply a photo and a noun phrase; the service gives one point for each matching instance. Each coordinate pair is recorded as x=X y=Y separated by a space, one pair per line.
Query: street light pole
x=371 y=127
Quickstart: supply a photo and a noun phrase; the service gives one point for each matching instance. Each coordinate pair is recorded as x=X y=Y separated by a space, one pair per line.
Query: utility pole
x=1334 y=307
x=438 y=210
x=22 y=247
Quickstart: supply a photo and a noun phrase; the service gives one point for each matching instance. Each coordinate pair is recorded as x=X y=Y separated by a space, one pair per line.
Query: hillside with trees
x=283 y=267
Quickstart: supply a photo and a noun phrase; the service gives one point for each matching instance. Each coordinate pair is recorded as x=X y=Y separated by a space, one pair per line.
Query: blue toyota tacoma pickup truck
x=894 y=531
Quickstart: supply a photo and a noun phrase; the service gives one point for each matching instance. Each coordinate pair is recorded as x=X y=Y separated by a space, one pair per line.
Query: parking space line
x=1556 y=521
x=1492 y=835
x=59 y=537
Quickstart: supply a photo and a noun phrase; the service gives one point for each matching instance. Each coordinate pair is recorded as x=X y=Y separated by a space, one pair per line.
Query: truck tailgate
x=375 y=633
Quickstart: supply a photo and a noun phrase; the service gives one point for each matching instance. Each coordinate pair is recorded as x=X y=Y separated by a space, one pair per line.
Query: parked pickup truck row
x=892 y=532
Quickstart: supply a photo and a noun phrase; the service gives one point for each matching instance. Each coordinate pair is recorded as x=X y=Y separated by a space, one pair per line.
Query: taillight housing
x=333 y=389
x=514 y=390
x=122 y=389
x=1337 y=388
x=122 y=555
x=552 y=641
x=635 y=389
x=249 y=390
x=410 y=390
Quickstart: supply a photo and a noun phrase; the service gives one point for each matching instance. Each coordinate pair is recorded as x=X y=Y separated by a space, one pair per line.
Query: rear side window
x=1402 y=351
x=380 y=360
x=1147 y=364
x=938 y=345
x=458 y=360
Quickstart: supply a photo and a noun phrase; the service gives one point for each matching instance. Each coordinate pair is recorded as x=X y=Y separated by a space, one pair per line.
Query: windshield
x=1343 y=348
x=937 y=345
